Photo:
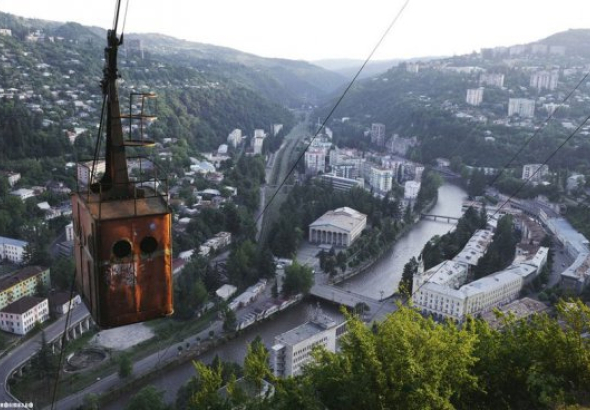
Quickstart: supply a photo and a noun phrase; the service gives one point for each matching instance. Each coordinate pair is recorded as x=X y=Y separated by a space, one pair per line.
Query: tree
x=209 y=382
x=230 y=320
x=148 y=398
x=91 y=402
x=407 y=282
x=125 y=365
x=256 y=367
x=62 y=272
x=298 y=279
x=407 y=363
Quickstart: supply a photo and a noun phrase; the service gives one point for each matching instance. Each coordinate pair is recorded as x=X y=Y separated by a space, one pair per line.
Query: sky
x=321 y=29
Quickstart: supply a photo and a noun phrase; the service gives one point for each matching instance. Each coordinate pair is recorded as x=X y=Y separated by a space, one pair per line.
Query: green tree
x=409 y=362
x=256 y=368
x=209 y=382
x=298 y=279
x=407 y=281
x=125 y=366
x=229 y=319
x=148 y=398
x=62 y=272
x=91 y=402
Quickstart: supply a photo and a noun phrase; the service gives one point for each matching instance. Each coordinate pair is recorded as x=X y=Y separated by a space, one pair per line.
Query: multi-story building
x=534 y=173
x=474 y=96
x=315 y=161
x=257 y=142
x=545 y=79
x=492 y=80
x=378 y=134
x=235 y=137
x=475 y=248
x=411 y=189
x=12 y=177
x=292 y=349
x=20 y=316
x=472 y=299
x=339 y=227
x=523 y=107
x=22 y=283
x=381 y=179
x=340 y=183
x=12 y=249
x=84 y=171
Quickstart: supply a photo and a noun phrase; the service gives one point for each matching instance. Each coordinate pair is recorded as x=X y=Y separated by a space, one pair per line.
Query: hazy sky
x=316 y=29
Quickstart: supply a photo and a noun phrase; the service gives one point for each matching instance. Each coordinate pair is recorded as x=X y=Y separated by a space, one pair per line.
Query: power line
x=541 y=128
x=511 y=196
x=320 y=127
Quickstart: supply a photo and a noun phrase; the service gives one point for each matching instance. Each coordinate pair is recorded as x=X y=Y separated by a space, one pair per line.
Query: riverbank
x=341 y=277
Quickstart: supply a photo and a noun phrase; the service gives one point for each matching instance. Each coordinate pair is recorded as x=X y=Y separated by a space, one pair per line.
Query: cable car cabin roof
x=149 y=204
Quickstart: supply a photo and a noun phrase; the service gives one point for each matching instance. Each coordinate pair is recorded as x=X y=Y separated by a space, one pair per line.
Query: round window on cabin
x=149 y=244
x=122 y=248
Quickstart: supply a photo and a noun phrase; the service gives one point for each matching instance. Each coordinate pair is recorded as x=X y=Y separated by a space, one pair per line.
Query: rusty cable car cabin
x=122 y=223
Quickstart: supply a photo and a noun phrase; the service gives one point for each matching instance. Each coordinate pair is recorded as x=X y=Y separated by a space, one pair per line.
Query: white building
x=341 y=183
x=13 y=178
x=411 y=189
x=315 y=161
x=257 y=143
x=292 y=349
x=60 y=302
x=474 y=96
x=226 y=291
x=381 y=179
x=70 y=232
x=338 y=227
x=21 y=316
x=523 y=107
x=447 y=273
x=235 y=137
x=493 y=80
x=23 y=193
x=378 y=134
x=475 y=248
x=545 y=79
x=472 y=299
x=534 y=172
x=84 y=171
x=12 y=249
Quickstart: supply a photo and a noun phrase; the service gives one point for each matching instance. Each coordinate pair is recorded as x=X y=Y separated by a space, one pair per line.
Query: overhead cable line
x=323 y=124
x=541 y=128
x=97 y=146
x=549 y=157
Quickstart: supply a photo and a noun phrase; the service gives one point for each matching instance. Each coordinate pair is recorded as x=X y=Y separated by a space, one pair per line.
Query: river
x=384 y=275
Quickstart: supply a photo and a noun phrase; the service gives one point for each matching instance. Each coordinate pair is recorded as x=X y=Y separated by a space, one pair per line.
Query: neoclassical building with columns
x=339 y=227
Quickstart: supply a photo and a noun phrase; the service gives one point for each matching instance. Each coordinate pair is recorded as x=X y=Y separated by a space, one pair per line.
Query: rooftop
x=13 y=242
x=7 y=282
x=23 y=305
x=303 y=332
x=344 y=218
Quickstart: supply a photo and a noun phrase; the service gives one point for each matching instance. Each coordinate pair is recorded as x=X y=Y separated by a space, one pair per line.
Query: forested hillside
x=50 y=93
x=428 y=100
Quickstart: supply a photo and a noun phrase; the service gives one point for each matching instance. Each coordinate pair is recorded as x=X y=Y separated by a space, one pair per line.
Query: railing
x=145 y=181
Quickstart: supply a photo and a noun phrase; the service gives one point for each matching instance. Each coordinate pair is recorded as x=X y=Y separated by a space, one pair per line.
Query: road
x=25 y=351
x=158 y=358
x=277 y=168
